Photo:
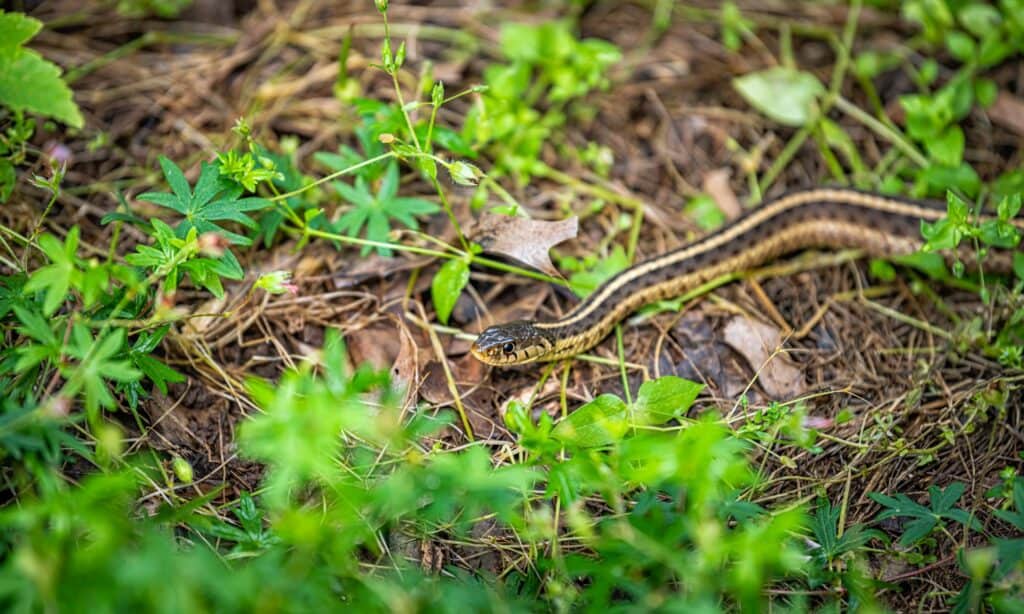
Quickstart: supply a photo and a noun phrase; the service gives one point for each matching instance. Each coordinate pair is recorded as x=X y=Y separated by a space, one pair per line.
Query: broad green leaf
x=938 y=179
x=985 y=91
x=961 y=46
x=447 y=285
x=786 y=95
x=598 y=423
x=979 y=18
x=30 y=83
x=16 y=29
x=948 y=147
x=663 y=399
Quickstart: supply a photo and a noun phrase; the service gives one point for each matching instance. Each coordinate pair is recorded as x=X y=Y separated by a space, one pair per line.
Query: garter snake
x=816 y=218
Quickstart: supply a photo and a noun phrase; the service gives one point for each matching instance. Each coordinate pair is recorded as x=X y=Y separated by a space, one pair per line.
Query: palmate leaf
x=60 y=275
x=374 y=211
x=925 y=519
x=98 y=362
x=214 y=199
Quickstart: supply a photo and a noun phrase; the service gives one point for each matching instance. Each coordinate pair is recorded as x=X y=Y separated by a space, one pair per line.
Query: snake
x=817 y=218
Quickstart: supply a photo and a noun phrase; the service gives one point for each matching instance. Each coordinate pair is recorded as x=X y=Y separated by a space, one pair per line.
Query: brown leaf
x=378 y=344
x=758 y=343
x=523 y=239
x=716 y=184
x=405 y=371
x=1008 y=112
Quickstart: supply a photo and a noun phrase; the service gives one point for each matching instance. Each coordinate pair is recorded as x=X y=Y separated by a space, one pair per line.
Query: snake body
x=818 y=218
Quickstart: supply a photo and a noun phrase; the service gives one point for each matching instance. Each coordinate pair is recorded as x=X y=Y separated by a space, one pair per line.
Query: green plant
x=837 y=559
x=375 y=211
x=28 y=84
x=528 y=98
x=925 y=519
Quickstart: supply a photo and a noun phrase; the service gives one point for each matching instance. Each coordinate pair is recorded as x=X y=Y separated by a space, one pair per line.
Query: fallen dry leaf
x=716 y=184
x=1008 y=112
x=378 y=344
x=405 y=371
x=758 y=343
x=523 y=239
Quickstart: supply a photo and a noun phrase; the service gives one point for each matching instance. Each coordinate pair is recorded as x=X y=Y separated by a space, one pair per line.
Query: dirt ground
x=900 y=406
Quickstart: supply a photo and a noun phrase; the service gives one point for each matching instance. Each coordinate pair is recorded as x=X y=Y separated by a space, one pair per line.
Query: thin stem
x=334 y=175
x=882 y=130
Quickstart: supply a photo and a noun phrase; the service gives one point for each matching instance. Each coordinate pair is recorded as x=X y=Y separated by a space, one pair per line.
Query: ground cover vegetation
x=244 y=246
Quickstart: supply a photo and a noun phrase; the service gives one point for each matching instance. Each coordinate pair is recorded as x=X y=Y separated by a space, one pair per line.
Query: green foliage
x=587 y=274
x=171 y=258
x=527 y=98
x=735 y=27
x=705 y=212
x=607 y=418
x=617 y=505
x=995 y=571
x=925 y=519
x=28 y=82
x=786 y=95
x=673 y=545
x=447 y=285
x=375 y=211
x=835 y=545
x=214 y=199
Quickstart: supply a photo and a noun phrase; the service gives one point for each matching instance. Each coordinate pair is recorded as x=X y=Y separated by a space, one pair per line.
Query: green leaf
x=214 y=199
x=7 y=179
x=917 y=530
x=16 y=29
x=705 y=212
x=30 y=83
x=663 y=399
x=961 y=46
x=55 y=278
x=598 y=423
x=1018 y=264
x=786 y=95
x=944 y=500
x=447 y=285
x=375 y=211
x=985 y=91
x=584 y=282
x=979 y=18
x=947 y=148
x=939 y=178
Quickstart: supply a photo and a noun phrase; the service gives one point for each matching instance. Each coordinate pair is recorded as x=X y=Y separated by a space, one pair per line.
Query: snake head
x=514 y=343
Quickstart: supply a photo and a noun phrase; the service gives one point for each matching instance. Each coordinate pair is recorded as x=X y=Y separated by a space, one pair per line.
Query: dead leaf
x=716 y=184
x=1008 y=112
x=406 y=369
x=523 y=239
x=377 y=344
x=759 y=343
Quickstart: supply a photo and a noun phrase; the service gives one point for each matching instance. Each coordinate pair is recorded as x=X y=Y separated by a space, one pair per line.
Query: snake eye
x=509 y=347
